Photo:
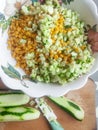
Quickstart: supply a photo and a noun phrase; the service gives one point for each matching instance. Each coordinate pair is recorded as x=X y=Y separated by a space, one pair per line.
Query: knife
x=49 y=114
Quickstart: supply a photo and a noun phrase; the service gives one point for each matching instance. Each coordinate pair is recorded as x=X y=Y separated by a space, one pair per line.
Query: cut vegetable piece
x=18 y=113
x=13 y=98
x=69 y=106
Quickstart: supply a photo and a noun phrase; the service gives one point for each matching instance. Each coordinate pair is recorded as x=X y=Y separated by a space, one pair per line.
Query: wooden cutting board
x=85 y=97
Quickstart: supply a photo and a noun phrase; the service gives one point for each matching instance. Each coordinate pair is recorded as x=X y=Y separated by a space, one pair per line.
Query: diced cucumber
x=69 y=106
x=13 y=98
x=18 y=113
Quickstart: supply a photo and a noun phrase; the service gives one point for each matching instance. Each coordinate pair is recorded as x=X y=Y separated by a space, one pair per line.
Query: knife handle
x=55 y=125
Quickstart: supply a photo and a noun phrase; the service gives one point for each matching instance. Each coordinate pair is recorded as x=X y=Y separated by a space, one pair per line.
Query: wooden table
x=84 y=97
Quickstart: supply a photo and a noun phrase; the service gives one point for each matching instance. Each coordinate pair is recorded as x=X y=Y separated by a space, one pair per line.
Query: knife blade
x=49 y=114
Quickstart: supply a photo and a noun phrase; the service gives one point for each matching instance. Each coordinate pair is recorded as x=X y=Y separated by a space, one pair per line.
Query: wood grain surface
x=85 y=97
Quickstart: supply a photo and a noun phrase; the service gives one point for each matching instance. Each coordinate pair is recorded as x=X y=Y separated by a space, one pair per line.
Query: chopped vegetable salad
x=59 y=51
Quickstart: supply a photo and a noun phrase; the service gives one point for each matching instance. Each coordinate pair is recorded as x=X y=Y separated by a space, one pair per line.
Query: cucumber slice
x=18 y=113
x=69 y=106
x=13 y=98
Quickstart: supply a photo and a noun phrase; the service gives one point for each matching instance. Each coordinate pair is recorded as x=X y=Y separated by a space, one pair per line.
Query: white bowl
x=88 y=12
